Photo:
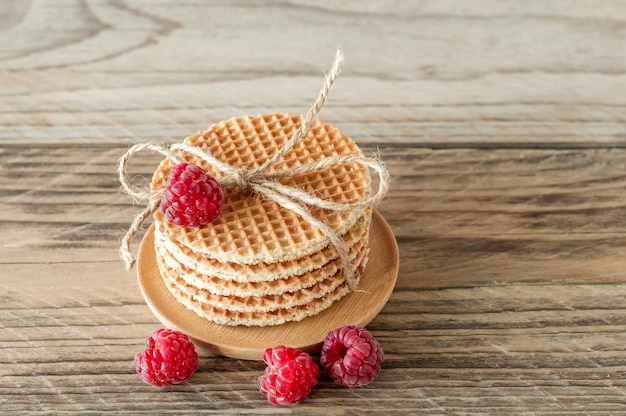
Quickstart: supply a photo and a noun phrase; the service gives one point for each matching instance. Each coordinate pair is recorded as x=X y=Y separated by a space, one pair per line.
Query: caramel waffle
x=260 y=263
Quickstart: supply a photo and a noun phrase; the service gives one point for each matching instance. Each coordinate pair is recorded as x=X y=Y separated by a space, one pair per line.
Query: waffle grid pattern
x=290 y=283
x=252 y=230
x=252 y=318
x=260 y=264
x=358 y=234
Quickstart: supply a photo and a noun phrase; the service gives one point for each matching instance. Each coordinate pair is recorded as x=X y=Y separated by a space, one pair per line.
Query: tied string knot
x=243 y=178
x=263 y=182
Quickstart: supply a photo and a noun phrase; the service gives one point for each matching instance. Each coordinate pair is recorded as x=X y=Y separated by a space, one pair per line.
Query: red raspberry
x=351 y=356
x=192 y=197
x=289 y=376
x=169 y=358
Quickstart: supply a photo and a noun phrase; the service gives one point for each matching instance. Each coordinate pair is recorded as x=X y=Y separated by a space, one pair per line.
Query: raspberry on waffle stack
x=258 y=263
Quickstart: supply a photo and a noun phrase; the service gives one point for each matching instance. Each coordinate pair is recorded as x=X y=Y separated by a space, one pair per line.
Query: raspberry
x=351 y=356
x=289 y=376
x=192 y=197
x=169 y=358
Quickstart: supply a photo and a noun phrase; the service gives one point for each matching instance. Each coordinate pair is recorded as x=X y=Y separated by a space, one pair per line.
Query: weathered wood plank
x=116 y=72
x=502 y=124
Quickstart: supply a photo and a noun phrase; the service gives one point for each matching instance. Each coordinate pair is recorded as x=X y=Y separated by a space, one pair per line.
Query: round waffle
x=327 y=280
x=190 y=298
x=250 y=229
x=260 y=272
x=259 y=263
x=290 y=283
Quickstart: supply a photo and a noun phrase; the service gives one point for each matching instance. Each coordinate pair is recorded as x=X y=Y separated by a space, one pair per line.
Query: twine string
x=263 y=183
x=311 y=114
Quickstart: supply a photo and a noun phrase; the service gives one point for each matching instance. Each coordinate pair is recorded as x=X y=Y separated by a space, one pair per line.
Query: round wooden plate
x=356 y=308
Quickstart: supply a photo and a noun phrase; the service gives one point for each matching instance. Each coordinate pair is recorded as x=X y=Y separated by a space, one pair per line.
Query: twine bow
x=262 y=182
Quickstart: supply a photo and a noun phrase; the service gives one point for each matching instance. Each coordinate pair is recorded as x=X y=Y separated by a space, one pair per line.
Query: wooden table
x=503 y=125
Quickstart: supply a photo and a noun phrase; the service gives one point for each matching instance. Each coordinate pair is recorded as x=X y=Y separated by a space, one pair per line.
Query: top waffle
x=252 y=230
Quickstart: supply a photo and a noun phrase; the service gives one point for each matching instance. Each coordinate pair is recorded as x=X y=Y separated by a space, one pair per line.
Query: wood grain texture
x=503 y=124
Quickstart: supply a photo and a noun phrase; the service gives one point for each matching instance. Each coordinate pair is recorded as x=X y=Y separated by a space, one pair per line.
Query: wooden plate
x=356 y=308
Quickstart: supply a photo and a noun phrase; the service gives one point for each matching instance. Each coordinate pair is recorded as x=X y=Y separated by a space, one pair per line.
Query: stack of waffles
x=260 y=264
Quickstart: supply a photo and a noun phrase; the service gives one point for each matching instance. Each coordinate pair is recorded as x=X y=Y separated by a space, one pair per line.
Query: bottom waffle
x=287 y=298
x=222 y=316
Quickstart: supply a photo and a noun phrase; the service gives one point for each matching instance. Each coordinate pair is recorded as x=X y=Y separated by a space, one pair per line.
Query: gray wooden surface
x=503 y=124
